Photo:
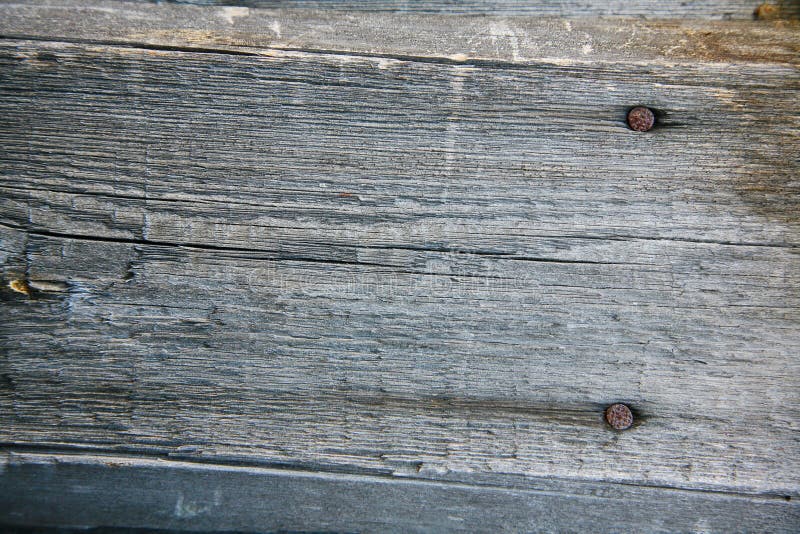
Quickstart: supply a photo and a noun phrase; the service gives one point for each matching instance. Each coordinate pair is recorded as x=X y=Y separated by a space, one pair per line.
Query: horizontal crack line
x=134 y=44
x=264 y=50
x=280 y=257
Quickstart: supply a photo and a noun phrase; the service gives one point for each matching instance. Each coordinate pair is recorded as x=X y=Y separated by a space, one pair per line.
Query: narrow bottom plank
x=80 y=490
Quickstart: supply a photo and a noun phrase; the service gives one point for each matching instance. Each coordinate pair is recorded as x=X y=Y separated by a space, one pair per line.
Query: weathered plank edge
x=52 y=488
x=708 y=9
x=441 y=38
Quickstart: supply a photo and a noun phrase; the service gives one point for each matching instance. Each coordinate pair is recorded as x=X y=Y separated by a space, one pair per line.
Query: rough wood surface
x=331 y=250
x=69 y=490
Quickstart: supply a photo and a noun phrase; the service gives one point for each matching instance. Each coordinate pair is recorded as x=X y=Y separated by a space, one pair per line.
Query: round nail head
x=767 y=11
x=641 y=119
x=619 y=416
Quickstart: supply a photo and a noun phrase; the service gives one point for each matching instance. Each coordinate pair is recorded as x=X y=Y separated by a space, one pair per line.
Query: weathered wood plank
x=331 y=246
x=678 y=9
x=228 y=355
x=114 y=491
x=564 y=42
x=415 y=269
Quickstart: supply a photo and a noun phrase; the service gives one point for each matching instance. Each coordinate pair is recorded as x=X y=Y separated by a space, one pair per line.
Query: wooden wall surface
x=294 y=269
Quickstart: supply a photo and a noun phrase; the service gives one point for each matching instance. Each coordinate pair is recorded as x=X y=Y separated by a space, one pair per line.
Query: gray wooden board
x=78 y=490
x=679 y=9
x=439 y=264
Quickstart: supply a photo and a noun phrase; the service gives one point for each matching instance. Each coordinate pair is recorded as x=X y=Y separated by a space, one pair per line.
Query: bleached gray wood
x=407 y=268
x=437 y=263
x=116 y=491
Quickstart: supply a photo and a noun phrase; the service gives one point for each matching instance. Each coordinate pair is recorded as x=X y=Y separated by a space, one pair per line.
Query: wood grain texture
x=636 y=47
x=315 y=252
x=87 y=489
x=677 y=9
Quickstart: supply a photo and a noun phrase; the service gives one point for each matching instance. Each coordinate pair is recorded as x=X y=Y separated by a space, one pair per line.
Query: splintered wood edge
x=398 y=37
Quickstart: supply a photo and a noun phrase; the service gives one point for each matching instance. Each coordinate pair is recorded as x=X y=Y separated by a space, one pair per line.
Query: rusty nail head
x=641 y=119
x=767 y=11
x=619 y=416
